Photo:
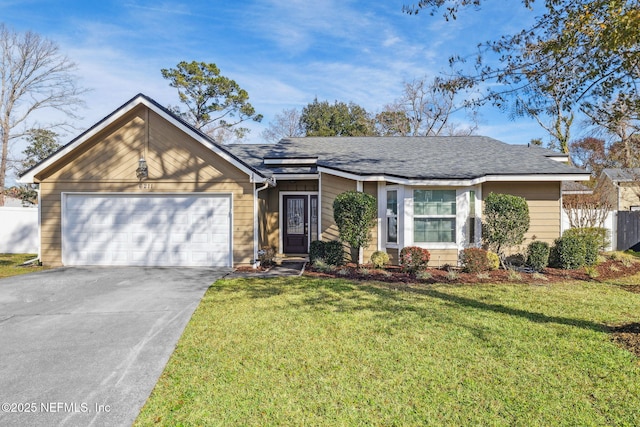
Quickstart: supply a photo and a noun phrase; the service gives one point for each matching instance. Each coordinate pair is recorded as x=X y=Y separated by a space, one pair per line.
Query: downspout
x=256 y=209
x=39 y=224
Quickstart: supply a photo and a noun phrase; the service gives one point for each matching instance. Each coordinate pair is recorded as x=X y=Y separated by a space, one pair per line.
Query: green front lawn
x=304 y=351
x=10 y=264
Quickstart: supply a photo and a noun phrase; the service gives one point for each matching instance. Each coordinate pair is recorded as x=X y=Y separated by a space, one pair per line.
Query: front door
x=296 y=224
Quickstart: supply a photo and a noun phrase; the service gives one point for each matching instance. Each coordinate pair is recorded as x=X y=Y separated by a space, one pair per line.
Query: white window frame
x=453 y=216
x=386 y=217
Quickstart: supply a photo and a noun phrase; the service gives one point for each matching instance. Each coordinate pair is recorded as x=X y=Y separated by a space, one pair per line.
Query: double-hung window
x=434 y=216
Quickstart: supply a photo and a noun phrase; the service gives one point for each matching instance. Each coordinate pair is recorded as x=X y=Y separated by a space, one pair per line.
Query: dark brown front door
x=296 y=224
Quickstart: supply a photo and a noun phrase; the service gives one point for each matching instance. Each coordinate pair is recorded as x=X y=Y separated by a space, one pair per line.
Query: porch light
x=142 y=172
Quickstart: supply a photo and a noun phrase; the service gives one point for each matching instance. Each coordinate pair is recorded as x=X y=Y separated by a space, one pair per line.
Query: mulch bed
x=627 y=336
x=607 y=270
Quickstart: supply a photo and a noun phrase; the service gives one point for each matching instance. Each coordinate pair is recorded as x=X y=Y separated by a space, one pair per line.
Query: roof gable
x=140 y=99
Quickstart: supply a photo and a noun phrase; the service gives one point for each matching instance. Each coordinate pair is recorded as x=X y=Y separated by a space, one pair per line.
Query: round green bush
x=379 y=259
x=594 y=239
x=538 y=255
x=568 y=252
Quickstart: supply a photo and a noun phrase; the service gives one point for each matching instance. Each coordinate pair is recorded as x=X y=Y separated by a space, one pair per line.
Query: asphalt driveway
x=85 y=346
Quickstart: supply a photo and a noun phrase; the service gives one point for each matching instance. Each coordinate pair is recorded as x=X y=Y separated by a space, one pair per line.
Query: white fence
x=19 y=230
x=609 y=224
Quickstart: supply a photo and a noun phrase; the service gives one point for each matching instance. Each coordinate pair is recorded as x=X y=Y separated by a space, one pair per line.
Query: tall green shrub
x=506 y=220
x=595 y=239
x=355 y=213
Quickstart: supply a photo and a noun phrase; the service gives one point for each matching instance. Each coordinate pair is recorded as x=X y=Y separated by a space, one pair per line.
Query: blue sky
x=284 y=53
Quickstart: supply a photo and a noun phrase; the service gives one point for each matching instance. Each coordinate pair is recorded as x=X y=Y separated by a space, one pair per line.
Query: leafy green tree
x=213 y=102
x=42 y=143
x=320 y=118
x=576 y=54
x=355 y=213
x=506 y=220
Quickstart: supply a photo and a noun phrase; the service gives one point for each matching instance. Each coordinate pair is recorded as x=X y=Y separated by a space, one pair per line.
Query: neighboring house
x=205 y=204
x=622 y=186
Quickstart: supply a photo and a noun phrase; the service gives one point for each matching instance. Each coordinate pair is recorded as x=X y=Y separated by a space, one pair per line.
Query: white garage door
x=147 y=230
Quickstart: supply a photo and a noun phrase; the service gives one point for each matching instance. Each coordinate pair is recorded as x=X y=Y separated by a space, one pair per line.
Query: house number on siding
x=145 y=186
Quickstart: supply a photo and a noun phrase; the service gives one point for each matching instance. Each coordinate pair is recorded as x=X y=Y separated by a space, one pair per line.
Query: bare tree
x=586 y=210
x=425 y=109
x=34 y=75
x=284 y=125
x=619 y=123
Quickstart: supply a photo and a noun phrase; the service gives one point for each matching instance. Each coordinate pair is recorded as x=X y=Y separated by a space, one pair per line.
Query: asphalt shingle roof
x=450 y=157
x=622 y=175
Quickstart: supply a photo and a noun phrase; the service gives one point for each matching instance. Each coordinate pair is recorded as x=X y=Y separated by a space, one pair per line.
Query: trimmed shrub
x=595 y=239
x=331 y=253
x=414 y=259
x=506 y=220
x=316 y=251
x=538 y=255
x=355 y=213
x=334 y=253
x=379 y=259
x=591 y=245
x=568 y=252
x=494 y=260
x=475 y=260
x=600 y=234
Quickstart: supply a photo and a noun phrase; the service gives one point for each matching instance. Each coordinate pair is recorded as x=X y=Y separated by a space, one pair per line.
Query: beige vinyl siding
x=177 y=164
x=372 y=189
x=629 y=194
x=331 y=186
x=441 y=257
x=544 y=203
x=108 y=156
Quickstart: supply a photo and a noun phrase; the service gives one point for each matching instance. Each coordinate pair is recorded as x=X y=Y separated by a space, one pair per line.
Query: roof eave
x=462 y=182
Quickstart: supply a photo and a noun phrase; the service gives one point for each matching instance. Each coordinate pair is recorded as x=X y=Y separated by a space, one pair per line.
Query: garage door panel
x=147 y=230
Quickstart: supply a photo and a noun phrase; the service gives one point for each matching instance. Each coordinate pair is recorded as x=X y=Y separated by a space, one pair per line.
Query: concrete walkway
x=287 y=268
x=85 y=346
